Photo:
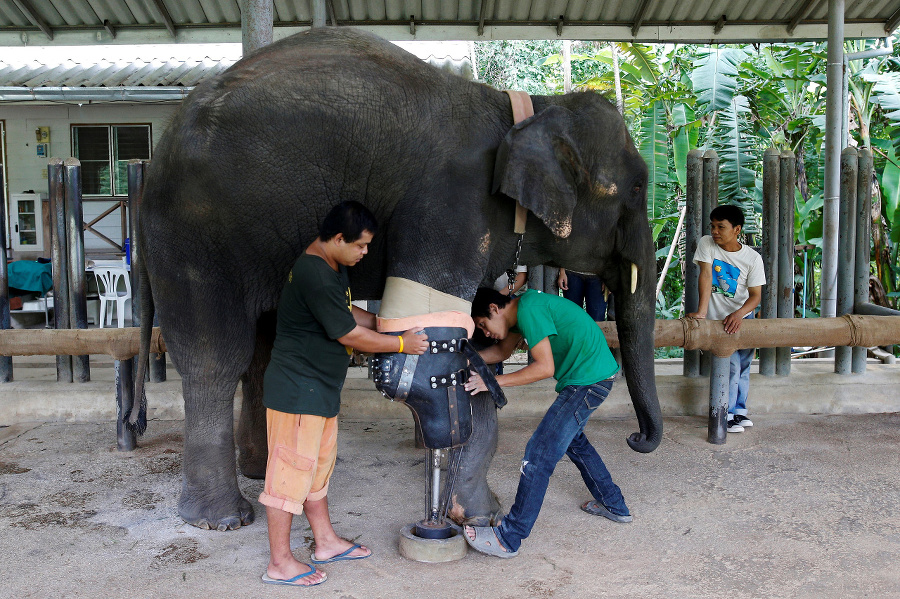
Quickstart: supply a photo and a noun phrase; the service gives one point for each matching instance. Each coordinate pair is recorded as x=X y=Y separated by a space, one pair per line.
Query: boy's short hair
x=484 y=297
x=729 y=212
x=349 y=218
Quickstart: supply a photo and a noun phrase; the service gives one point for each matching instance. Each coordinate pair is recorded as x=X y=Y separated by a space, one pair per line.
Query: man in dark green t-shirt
x=566 y=344
x=317 y=327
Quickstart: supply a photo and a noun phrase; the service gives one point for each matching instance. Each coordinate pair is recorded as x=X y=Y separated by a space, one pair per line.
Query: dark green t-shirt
x=308 y=366
x=580 y=353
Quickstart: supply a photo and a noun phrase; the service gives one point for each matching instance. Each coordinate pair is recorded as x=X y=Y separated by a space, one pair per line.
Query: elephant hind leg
x=210 y=497
x=473 y=501
x=251 y=435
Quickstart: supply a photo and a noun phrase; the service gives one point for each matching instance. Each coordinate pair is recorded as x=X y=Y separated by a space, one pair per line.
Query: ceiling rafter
x=641 y=14
x=164 y=13
x=35 y=18
x=801 y=14
x=892 y=22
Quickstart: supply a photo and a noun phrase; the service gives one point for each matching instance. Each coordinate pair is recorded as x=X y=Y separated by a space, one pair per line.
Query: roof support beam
x=800 y=15
x=35 y=18
x=109 y=28
x=164 y=13
x=892 y=22
x=481 y=14
x=720 y=25
x=641 y=14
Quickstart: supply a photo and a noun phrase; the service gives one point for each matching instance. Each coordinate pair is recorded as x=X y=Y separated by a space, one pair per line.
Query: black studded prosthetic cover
x=431 y=385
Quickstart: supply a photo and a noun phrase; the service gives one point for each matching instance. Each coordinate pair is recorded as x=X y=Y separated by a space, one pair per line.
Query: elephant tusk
x=634 y=277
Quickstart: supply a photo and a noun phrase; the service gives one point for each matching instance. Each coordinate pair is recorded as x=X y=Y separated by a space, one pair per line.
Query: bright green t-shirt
x=580 y=353
x=308 y=366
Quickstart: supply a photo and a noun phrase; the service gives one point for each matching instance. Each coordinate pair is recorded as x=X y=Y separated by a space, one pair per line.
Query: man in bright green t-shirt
x=566 y=344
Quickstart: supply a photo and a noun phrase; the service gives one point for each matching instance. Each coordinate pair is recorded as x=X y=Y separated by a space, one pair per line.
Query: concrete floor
x=798 y=506
x=804 y=504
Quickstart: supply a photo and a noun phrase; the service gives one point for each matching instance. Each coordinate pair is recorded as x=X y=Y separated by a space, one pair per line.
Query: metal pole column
x=863 y=240
x=785 y=290
x=81 y=368
x=771 y=182
x=59 y=258
x=6 y=365
x=846 y=244
x=710 y=201
x=693 y=223
x=257 y=26
x=319 y=13
x=718 y=399
x=833 y=114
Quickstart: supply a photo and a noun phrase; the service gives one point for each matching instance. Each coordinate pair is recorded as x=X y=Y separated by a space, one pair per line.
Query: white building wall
x=26 y=171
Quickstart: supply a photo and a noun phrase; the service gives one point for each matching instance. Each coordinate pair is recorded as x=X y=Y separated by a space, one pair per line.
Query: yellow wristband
x=400 y=351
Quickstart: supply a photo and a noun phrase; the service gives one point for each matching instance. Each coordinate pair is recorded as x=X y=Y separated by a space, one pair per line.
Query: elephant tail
x=136 y=420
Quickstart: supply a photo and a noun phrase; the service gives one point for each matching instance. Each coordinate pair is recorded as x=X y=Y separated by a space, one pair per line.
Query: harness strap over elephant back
x=522 y=108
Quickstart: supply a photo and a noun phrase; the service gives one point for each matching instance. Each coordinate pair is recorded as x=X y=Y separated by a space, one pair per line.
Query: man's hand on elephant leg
x=475 y=385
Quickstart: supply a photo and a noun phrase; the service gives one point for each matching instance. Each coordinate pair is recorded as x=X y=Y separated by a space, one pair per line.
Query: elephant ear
x=539 y=166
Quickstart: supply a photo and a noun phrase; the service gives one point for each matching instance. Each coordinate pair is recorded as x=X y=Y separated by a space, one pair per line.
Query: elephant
x=256 y=156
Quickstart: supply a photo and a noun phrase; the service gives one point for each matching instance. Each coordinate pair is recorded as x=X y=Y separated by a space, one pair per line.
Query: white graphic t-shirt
x=732 y=274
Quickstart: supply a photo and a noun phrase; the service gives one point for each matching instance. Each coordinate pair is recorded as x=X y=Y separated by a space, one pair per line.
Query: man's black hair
x=729 y=212
x=350 y=219
x=481 y=305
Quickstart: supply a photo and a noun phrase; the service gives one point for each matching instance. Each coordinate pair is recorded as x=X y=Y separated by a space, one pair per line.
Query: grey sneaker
x=742 y=420
x=734 y=427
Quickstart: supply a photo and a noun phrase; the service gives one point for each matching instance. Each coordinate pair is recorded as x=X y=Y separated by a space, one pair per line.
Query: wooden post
x=59 y=258
x=81 y=367
x=6 y=365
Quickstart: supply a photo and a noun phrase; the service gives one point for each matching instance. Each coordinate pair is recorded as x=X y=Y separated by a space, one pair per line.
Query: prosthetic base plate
x=432 y=551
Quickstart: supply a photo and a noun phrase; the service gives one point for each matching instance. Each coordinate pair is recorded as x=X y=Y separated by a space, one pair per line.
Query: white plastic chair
x=108 y=278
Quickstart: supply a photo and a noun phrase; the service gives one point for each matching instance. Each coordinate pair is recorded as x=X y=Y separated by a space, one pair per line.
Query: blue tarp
x=28 y=275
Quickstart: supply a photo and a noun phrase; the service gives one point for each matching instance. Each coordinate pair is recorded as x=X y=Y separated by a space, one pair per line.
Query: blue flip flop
x=341 y=557
x=295 y=581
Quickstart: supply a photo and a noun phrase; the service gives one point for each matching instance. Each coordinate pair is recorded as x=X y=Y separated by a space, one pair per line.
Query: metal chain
x=511 y=275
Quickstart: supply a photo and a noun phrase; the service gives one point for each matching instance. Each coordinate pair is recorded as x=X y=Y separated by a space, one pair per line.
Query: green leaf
x=736 y=177
x=654 y=151
x=715 y=78
x=890 y=186
x=683 y=120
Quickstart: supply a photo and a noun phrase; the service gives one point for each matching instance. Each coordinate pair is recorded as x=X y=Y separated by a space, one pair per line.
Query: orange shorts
x=302 y=451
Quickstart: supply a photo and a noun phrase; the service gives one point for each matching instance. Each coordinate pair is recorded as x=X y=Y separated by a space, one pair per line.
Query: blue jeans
x=561 y=432
x=739 y=381
x=587 y=292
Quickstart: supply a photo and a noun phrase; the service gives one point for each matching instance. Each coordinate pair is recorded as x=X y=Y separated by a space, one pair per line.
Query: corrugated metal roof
x=140 y=80
x=183 y=73
x=144 y=21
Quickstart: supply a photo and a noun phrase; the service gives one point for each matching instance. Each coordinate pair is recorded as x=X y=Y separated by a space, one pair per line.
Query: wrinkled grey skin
x=256 y=157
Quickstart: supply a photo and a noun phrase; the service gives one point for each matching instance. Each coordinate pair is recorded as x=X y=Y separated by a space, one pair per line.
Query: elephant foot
x=253 y=465
x=490 y=515
x=209 y=515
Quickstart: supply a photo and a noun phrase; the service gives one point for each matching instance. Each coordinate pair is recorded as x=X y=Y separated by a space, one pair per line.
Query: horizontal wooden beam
x=689 y=333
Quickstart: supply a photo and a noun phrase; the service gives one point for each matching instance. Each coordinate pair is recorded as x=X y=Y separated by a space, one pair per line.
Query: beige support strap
x=522 y=108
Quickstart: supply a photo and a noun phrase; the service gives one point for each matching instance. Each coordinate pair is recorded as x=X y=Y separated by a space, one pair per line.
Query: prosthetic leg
x=431 y=386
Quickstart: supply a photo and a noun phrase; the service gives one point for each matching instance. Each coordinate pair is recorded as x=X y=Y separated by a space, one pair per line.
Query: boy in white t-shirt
x=731 y=280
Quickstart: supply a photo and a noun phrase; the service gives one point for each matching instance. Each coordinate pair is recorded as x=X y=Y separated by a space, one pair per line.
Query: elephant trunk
x=635 y=321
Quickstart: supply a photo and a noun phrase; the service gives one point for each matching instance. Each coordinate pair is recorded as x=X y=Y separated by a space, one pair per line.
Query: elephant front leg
x=473 y=501
x=210 y=497
x=253 y=452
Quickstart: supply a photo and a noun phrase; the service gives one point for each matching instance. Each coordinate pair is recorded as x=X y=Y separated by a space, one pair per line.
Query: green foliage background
x=738 y=100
